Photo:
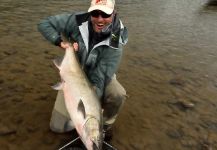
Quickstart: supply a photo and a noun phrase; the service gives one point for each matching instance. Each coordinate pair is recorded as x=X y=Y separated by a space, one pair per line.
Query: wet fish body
x=81 y=101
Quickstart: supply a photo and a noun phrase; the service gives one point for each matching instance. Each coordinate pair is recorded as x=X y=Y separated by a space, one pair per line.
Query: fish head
x=94 y=134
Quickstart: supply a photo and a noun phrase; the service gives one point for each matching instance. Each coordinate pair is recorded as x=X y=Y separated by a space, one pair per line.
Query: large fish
x=81 y=101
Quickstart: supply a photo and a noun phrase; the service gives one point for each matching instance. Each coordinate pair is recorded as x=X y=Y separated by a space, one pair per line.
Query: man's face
x=100 y=20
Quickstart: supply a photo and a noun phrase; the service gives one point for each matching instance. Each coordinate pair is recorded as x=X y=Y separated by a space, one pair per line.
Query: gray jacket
x=99 y=63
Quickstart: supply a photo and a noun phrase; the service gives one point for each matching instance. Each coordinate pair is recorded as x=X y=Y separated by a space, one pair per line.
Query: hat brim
x=101 y=8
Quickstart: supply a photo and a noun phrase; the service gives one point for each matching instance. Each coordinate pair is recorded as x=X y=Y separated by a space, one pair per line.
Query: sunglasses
x=97 y=13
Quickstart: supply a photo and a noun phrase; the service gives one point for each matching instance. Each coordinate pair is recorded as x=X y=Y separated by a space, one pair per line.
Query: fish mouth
x=93 y=129
x=97 y=142
x=97 y=145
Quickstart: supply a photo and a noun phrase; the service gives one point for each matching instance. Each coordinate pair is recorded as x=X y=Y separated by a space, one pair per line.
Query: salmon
x=81 y=100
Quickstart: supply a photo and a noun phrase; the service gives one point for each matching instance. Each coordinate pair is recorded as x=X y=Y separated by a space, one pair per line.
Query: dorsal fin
x=81 y=108
x=58 y=86
x=58 y=61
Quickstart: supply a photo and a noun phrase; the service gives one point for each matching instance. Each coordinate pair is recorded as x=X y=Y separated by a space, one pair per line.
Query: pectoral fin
x=81 y=108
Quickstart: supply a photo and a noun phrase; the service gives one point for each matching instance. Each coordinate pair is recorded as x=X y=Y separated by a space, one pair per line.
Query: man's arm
x=106 y=68
x=52 y=27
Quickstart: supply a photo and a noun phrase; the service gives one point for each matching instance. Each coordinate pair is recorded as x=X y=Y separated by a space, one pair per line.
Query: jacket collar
x=84 y=33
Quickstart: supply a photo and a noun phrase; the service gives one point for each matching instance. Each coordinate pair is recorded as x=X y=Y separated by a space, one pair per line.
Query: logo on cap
x=103 y=2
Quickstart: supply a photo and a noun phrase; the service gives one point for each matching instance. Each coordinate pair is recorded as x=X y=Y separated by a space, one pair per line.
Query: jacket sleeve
x=105 y=69
x=52 y=27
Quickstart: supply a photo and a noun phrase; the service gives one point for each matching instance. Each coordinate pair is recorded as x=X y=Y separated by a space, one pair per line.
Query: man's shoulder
x=75 y=19
x=82 y=17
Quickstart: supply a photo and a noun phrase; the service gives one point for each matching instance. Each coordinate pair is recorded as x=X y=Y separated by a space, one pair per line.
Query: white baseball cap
x=107 y=6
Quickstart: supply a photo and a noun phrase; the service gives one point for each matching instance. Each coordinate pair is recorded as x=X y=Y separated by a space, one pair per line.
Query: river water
x=168 y=69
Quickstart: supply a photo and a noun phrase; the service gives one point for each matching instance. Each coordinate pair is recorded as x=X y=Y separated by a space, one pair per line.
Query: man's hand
x=65 y=45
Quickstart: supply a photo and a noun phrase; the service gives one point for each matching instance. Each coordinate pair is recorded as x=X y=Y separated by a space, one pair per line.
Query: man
x=98 y=37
